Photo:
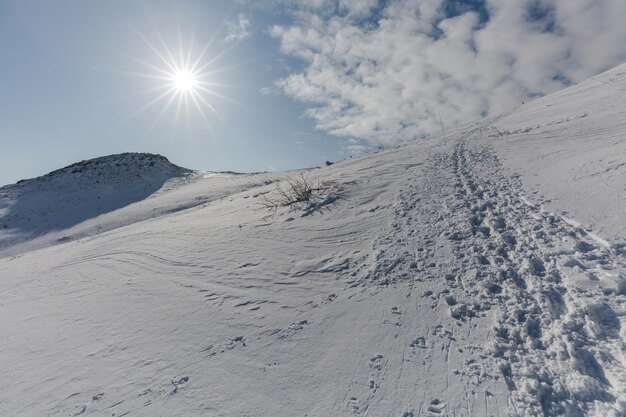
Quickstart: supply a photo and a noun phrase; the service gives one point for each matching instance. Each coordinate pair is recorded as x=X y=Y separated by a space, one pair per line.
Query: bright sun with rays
x=184 y=81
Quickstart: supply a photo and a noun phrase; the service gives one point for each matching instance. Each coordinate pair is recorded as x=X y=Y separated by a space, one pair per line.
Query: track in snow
x=557 y=334
x=549 y=289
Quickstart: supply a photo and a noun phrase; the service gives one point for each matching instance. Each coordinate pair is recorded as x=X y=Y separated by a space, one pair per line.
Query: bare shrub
x=297 y=192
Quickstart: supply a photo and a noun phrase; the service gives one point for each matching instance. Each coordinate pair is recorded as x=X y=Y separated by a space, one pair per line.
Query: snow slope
x=94 y=196
x=465 y=276
x=570 y=147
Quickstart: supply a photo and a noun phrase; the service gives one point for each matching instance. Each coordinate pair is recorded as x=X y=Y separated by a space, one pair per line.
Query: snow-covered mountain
x=97 y=195
x=81 y=191
x=477 y=274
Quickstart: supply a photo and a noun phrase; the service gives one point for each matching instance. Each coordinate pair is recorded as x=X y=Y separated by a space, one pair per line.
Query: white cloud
x=238 y=30
x=386 y=78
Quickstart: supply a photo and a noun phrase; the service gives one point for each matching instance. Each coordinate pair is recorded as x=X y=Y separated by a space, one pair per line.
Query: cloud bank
x=383 y=71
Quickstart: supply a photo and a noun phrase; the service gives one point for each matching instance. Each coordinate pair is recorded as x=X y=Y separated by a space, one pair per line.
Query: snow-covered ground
x=481 y=274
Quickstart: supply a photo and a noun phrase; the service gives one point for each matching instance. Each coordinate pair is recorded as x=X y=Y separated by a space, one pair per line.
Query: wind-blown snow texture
x=482 y=274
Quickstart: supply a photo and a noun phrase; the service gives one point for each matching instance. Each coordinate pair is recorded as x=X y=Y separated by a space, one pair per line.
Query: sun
x=185 y=81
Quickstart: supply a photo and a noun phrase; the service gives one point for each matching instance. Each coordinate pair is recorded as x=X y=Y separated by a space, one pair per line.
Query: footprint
x=583 y=247
x=436 y=406
x=293 y=329
x=181 y=380
x=176 y=383
x=235 y=341
x=213 y=350
x=442 y=332
x=535 y=266
x=499 y=223
x=354 y=404
x=460 y=311
x=376 y=362
x=329 y=298
x=509 y=239
x=373 y=385
x=450 y=300
x=299 y=325
x=604 y=321
x=419 y=342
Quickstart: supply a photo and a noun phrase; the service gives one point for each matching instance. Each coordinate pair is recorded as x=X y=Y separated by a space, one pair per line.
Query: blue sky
x=292 y=83
x=65 y=95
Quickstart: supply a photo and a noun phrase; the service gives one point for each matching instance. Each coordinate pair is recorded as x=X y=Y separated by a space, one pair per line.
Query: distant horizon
x=182 y=166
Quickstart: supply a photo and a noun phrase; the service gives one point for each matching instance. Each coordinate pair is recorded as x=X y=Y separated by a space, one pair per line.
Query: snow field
x=466 y=277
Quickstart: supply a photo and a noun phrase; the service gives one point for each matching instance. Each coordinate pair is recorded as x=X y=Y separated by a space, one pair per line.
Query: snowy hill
x=477 y=275
x=97 y=195
x=81 y=191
